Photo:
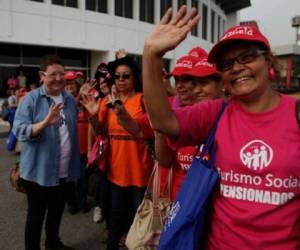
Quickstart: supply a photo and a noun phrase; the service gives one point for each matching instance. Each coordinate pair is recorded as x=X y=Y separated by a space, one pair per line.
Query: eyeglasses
x=54 y=75
x=244 y=58
x=123 y=76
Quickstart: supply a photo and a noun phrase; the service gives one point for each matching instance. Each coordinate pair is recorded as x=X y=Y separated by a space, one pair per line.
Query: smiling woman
x=257 y=135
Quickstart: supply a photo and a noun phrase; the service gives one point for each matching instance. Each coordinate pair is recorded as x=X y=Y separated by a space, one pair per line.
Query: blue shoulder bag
x=185 y=225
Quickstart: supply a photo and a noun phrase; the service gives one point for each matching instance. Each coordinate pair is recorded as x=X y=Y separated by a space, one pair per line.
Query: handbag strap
x=153 y=189
x=208 y=147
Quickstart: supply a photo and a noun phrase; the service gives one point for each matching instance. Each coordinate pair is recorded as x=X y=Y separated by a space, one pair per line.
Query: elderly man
x=45 y=123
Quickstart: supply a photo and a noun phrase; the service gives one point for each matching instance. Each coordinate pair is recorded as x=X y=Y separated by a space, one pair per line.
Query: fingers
x=165 y=19
x=93 y=83
x=186 y=19
x=114 y=92
x=179 y=15
x=57 y=108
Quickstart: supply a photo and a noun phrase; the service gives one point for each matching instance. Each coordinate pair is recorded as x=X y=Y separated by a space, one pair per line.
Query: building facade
x=87 y=32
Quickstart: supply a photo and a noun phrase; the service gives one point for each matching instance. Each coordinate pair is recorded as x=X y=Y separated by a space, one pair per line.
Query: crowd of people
x=256 y=204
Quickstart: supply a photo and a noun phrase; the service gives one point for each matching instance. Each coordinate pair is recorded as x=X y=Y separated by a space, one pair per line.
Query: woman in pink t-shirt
x=256 y=205
x=196 y=83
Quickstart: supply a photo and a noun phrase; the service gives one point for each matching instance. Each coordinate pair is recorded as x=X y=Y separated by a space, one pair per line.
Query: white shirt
x=65 y=141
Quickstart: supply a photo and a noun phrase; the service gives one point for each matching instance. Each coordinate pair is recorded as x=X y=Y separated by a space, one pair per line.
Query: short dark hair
x=48 y=60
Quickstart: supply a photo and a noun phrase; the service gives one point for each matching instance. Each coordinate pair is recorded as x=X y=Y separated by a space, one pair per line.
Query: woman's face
x=124 y=79
x=207 y=88
x=104 y=88
x=245 y=80
x=185 y=89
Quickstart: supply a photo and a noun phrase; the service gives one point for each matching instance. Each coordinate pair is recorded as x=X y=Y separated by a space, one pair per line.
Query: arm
x=166 y=36
x=164 y=154
x=23 y=127
x=127 y=122
x=52 y=117
x=92 y=106
x=90 y=138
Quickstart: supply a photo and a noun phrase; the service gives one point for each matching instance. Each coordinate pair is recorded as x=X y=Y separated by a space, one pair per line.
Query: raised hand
x=90 y=103
x=169 y=33
x=53 y=114
x=114 y=100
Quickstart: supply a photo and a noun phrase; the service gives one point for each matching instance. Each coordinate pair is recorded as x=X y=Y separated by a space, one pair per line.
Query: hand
x=169 y=33
x=114 y=101
x=53 y=114
x=87 y=86
x=90 y=103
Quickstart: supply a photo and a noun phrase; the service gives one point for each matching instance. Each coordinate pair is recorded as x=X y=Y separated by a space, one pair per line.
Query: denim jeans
x=41 y=199
x=124 y=204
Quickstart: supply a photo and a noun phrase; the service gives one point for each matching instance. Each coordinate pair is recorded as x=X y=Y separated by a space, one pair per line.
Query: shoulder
x=32 y=97
x=288 y=99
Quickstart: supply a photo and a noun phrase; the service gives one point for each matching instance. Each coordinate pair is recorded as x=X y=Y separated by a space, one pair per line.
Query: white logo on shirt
x=256 y=155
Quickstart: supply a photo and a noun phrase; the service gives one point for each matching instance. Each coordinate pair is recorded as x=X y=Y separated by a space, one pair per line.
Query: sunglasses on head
x=243 y=58
x=123 y=76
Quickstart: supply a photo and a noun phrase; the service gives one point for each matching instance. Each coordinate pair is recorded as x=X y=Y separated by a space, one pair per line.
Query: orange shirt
x=130 y=163
x=83 y=125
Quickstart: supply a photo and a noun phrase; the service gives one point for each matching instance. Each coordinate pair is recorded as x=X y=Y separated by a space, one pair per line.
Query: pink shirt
x=257 y=204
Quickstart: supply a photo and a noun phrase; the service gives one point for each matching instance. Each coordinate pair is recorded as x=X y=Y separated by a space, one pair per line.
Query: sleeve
x=23 y=121
x=195 y=123
x=145 y=126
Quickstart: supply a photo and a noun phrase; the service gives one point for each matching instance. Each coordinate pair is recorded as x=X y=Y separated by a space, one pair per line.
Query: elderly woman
x=257 y=139
x=129 y=161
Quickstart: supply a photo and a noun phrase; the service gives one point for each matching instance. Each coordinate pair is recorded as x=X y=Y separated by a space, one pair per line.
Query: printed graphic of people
x=263 y=156
x=256 y=155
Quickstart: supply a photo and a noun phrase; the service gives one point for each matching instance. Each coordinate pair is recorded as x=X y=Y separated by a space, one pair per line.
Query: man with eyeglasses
x=46 y=126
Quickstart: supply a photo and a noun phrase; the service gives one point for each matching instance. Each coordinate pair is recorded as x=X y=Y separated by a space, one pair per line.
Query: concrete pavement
x=77 y=230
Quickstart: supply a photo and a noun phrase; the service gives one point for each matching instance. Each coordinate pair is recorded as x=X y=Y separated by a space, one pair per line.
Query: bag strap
x=298 y=112
x=153 y=188
x=208 y=147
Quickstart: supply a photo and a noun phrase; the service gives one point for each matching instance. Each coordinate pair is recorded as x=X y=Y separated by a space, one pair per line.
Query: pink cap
x=198 y=52
x=202 y=68
x=70 y=75
x=238 y=33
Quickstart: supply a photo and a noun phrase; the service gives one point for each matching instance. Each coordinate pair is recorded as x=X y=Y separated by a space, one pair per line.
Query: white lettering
x=290 y=182
x=255 y=195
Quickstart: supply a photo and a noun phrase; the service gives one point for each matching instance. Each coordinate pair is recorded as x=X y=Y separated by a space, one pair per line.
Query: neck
x=125 y=95
x=260 y=103
x=53 y=93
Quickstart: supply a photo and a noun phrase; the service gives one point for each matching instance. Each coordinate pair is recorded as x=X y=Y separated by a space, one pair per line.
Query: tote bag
x=184 y=226
x=148 y=222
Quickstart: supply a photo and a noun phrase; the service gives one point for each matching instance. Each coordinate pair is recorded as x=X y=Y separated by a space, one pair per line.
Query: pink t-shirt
x=257 y=205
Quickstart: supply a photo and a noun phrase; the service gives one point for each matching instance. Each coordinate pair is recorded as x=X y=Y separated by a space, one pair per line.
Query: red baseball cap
x=198 y=52
x=70 y=75
x=238 y=33
x=203 y=68
x=183 y=65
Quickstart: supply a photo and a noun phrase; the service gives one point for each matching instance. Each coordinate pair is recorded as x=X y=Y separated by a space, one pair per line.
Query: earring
x=271 y=73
